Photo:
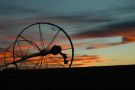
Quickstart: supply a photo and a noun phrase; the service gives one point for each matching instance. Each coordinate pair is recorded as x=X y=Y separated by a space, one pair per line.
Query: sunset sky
x=102 y=31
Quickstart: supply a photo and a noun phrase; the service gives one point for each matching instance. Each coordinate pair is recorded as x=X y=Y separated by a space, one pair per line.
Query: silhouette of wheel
x=40 y=46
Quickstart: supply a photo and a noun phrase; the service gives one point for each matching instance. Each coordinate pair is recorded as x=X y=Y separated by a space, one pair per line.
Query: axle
x=54 y=50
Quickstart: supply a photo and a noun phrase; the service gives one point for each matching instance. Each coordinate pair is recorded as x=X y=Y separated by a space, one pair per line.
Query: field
x=88 y=77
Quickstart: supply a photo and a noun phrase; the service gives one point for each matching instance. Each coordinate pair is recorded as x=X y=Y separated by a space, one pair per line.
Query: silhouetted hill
x=105 y=76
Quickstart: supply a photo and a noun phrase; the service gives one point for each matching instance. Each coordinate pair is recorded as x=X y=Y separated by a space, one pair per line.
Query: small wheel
x=37 y=38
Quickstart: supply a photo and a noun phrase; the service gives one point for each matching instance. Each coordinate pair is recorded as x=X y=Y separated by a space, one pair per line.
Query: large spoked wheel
x=40 y=46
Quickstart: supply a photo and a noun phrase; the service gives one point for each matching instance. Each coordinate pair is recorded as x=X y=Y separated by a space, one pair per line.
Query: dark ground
x=90 y=77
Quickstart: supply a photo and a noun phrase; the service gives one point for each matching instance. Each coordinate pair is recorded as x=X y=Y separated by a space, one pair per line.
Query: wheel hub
x=56 y=50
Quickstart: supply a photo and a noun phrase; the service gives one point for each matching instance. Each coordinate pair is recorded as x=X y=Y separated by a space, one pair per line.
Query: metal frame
x=33 y=44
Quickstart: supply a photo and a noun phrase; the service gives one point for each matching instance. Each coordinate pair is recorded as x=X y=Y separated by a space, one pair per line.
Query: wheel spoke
x=54 y=60
x=46 y=63
x=14 y=54
x=32 y=62
x=27 y=50
x=53 y=39
x=66 y=48
x=41 y=62
x=36 y=64
x=41 y=37
x=32 y=43
x=20 y=48
x=20 y=64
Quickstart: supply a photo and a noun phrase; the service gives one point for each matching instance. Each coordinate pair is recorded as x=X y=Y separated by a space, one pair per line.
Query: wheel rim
x=40 y=36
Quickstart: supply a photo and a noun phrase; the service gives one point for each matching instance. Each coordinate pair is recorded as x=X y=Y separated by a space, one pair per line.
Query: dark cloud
x=9 y=9
x=83 y=18
x=118 y=29
x=125 y=40
x=127 y=24
x=103 y=45
x=68 y=19
x=124 y=29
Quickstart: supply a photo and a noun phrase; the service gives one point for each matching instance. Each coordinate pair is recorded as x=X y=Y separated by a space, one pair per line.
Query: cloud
x=124 y=29
x=108 y=32
x=103 y=45
x=43 y=16
x=87 y=60
x=125 y=40
x=10 y=9
x=129 y=39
